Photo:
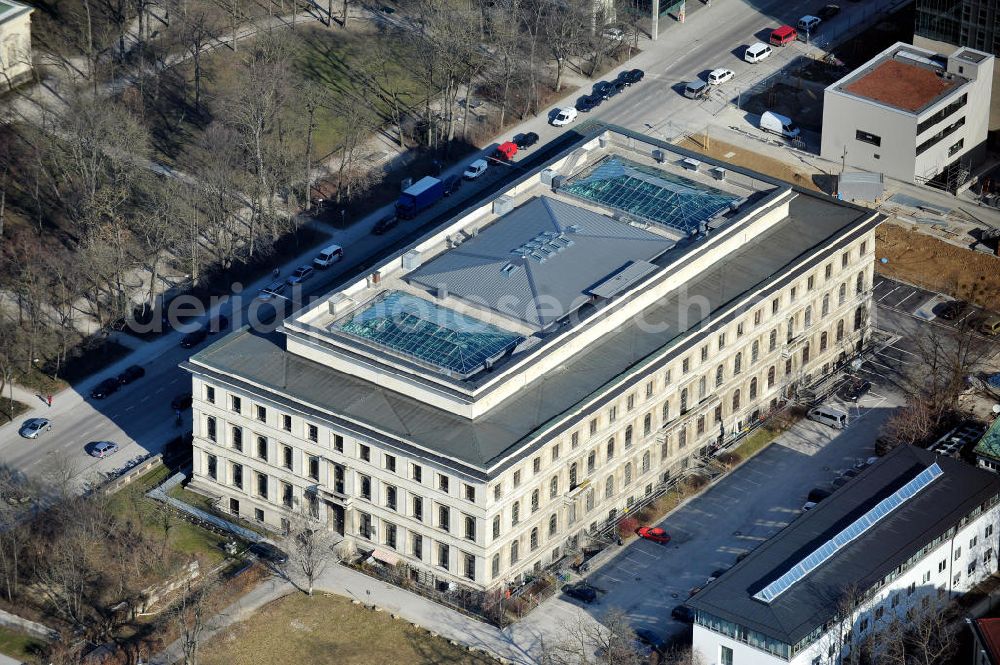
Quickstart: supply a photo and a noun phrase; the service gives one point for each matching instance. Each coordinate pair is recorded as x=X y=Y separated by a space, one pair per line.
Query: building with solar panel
x=490 y=397
x=906 y=536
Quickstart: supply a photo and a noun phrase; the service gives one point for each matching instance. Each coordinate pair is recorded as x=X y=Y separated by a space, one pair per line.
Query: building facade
x=911 y=114
x=15 y=43
x=482 y=400
x=908 y=535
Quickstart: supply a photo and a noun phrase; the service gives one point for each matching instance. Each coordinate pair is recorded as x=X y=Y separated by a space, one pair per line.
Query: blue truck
x=419 y=196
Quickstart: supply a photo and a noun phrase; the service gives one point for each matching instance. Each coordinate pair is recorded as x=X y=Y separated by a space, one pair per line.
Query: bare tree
x=564 y=27
x=613 y=641
x=311 y=549
x=196 y=31
x=190 y=615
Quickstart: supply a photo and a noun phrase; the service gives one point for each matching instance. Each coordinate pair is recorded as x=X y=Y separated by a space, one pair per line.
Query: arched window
x=666 y=411
x=791 y=328
x=753 y=388
x=860 y=287
x=515 y=513
x=840 y=330
x=513 y=552
x=611 y=447
x=702 y=388
x=496 y=526
x=496 y=565
x=754 y=351
x=859 y=314
x=609 y=487
x=572 y=475
x=553 y=525
x=772 y=342
x=591 y=496
x=591 y=461
x=823 y=337
x=736 y=401
x=554 y=487
x=645 y=461
x=718 y=376
x=647 y=424
x=628 y=473
x=684 y=401
x=843 y=293
x=826 y=305
x=533 y=539
x=682 y=437
x=628 y=436
x=534 y=500
x=808 y=316
x=770 y=376
x=738 y=363
x=805 y=353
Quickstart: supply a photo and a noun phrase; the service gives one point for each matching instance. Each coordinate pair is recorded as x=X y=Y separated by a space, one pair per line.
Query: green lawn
x=11 y=408
x=758 y=440
x=329 y=630
x=19 y=645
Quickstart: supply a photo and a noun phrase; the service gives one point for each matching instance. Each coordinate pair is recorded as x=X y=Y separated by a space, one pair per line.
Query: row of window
x=392 y=538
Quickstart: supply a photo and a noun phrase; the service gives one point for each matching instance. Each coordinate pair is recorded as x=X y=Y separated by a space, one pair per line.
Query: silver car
x=103 y=449
x=34 y=426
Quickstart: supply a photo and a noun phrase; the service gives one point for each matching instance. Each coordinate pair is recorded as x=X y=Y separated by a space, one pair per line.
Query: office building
x=476 y=403
x=909 y=534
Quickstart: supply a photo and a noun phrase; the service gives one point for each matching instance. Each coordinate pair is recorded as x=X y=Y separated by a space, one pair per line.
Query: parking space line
x=965 y=317
x=887 y=293
x=900 y=303
x=645 y=553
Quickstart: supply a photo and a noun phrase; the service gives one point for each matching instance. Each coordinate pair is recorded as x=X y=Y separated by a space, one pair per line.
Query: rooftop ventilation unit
x=374 y=279
x=735 y=206
x=546 y=176
x=718 y=172
x=412 y=260
x=502 y=205
x=442 y=291
x=557 y=182
x=690 y=164
x=509 y=269
x=573 y=228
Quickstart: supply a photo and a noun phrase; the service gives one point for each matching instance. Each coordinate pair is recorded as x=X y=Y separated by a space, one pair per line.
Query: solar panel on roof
x=854 y=530
x=652 y=194
x=436 y=335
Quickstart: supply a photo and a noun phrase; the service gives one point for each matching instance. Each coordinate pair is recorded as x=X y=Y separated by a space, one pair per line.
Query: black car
x=588 y=102
x=717 y=573
x=854 y=390
x=525 y=141
x=683 y=613
x=604 y=90
x=816 y=495
x=828 y=12
x=217 y=323
x=268 y=552
x=385 y=224
x=181 y=402
x=649 y=638
x=952 y=310
x=194 y=338
x=619 y=84
x=581 y=592
x=452 y=184
x=130 y=374
x=632 y=76
x=105 y=388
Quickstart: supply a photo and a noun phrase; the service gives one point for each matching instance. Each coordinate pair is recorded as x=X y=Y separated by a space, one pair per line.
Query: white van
x=778 y=124
x=757 y=52
x=696 y=89
x=328 y=256
x=827 y=416
x=808 y=24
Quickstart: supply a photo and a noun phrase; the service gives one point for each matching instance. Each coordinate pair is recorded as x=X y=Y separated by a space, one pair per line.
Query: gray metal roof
x=537 y=262
x=483 y=443
x=813 y=600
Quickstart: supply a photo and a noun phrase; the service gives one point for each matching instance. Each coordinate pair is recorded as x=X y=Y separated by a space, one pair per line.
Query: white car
x=475 y=169
x=564 y=116
x=720 y=76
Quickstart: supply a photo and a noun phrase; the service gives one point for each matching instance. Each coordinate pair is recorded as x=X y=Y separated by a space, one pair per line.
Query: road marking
x=900 y=303
x=887 y=293
x=964 y=317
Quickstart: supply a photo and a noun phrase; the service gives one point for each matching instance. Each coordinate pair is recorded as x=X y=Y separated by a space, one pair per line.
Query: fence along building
x=911 y=530
x=523 y=374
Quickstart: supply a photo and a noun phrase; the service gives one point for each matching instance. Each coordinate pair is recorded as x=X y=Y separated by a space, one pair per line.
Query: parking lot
x=918 y=302
x=647 y=580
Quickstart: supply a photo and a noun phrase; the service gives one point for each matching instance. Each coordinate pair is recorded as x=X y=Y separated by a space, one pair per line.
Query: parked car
x=619 y=85
x=850 y=473
x=181 y=402
x=131 y=373
x=385 y=224
x=683 y=613
x=102 y=449
x=581 y=592
x=452 y=184
x=717 y=573
x=604 y=90
x=783 y=35
x=632 y=76
x=989 y=325
x=268 y=552
x=274 y=289
x=649 y=638
x=654 y=533
x=808 y=505
x=105 y=388
x=32 y=427
x=613 y=34
x=839 y=482
x=757 y=52
x=816 y=494
x=525 y=141
x=195 y=338
x=588 y=102
x=953 y=309
x=300 y=274
x=506 y=151
x=720 y=76
x=564 y=117
x=828 y=12
x=852 y=391
x=475 y=169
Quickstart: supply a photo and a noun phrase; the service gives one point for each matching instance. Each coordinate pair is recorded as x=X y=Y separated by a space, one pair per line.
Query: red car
x=654 y=533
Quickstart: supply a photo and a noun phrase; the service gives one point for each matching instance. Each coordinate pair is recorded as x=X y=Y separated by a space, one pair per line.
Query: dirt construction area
x=738 y=156
x=925 y=261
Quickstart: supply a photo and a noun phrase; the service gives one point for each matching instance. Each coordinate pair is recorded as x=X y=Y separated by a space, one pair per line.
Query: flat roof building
x=911 y=114
x=913 y=525
x=479 y=401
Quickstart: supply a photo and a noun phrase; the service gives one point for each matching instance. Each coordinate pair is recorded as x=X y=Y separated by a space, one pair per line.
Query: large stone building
x=905 y=537
x=482 y=399
x=15 y=43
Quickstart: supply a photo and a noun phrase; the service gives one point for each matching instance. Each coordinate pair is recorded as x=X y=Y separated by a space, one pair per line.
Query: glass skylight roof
x=853 y=531
x=420 y=329
x=649 y=193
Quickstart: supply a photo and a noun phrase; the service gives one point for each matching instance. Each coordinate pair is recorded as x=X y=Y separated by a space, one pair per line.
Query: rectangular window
x=612 y=414
x=536 y=465
x=444 y=518
x=238 y=475
x=941 y=135
x=235 y=403
x=390 y=497
x=365 y=452
x=775 y=305
x=685 y=365
x=443 y=555
x=390 y=535
x=739 y=329
x=555 y=452
x=630 y=403
x=258 y=514
x=725 y=656
x=593 y=426
x=418 y=546
x=418 y=509
x=338 y=443
x=210 y=428
x=366 y=488
x=339 y=472
x=365 y=525
x=810 y=283
x=956 y=147
x=470 y=566
x=210 y=394
x=212 y=465
x=791 y=293
x=312 y=432
x=863 y=248
x=942 y=114
x=262 y=485
x=261 y=413
x=722 y=340
x=286 y=457
x=470 y=528
x=286 y=495
x=262 y=447
x=443 y=483
x=517 y=478
x=390 y=463
x=470 y=493
x=286 y=422
x=828 y=271
x=574 y=440
x=417 y=473
x=867 y=137
x=314 y=467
